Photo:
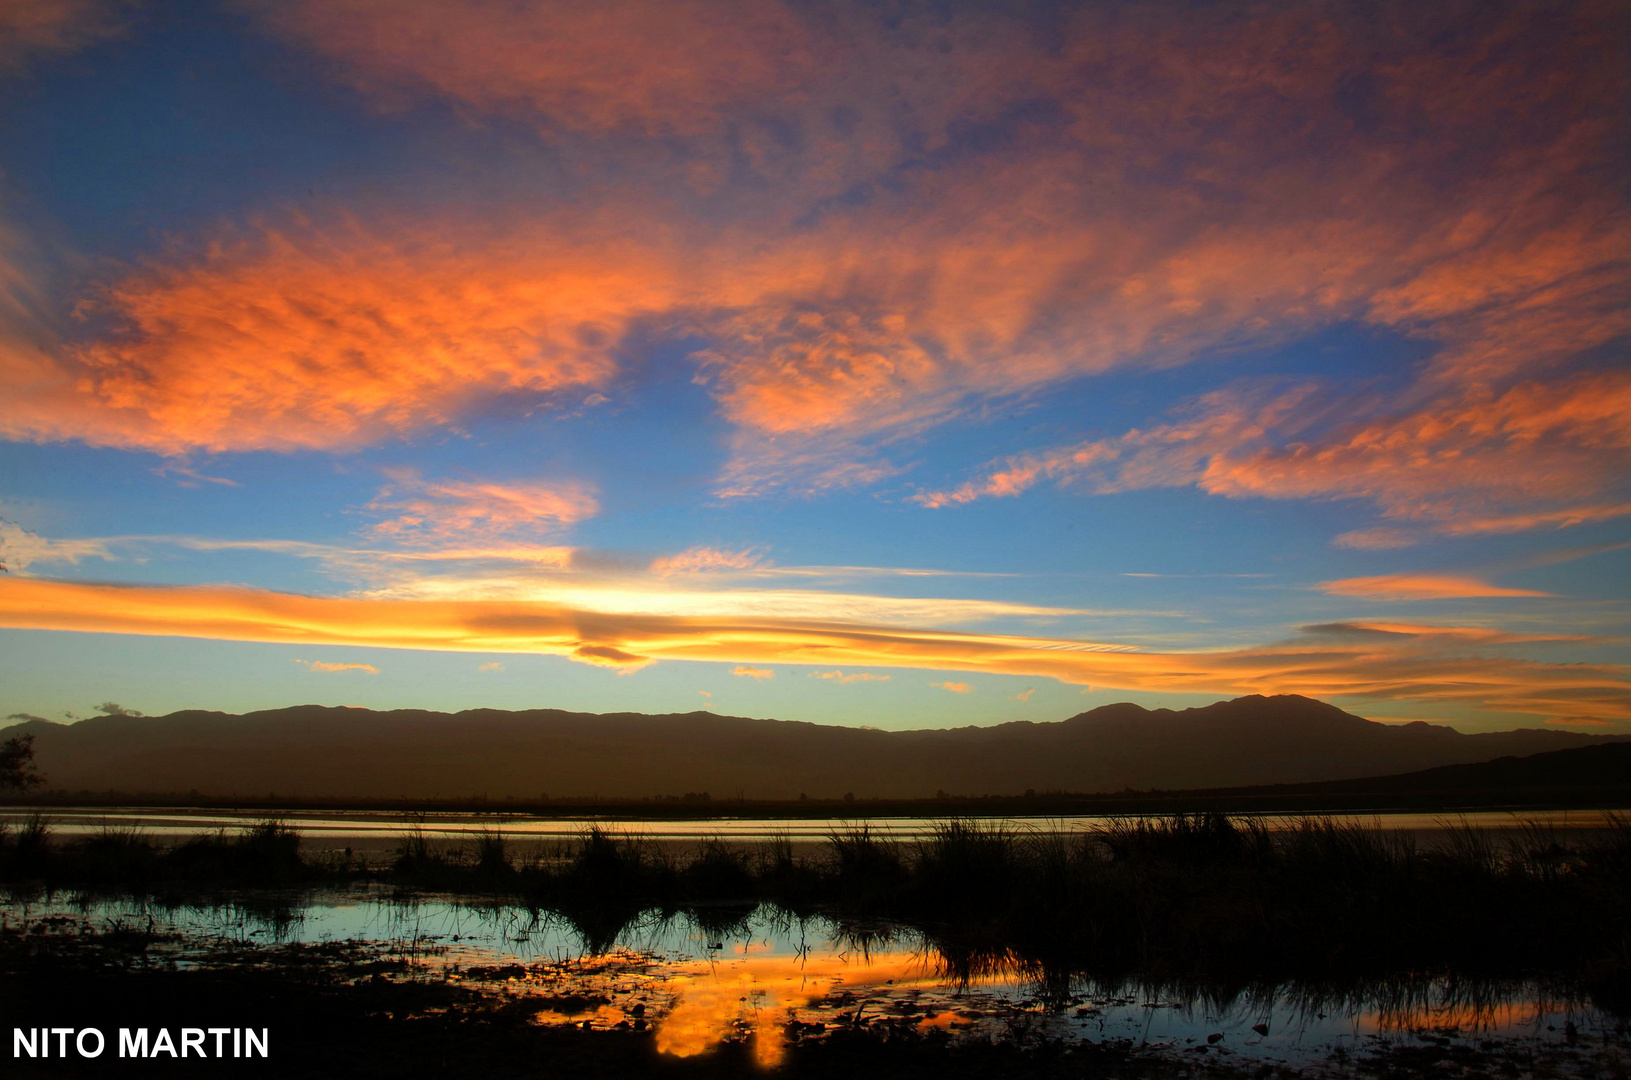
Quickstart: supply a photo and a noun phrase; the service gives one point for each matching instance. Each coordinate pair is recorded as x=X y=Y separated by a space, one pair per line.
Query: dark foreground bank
x=341 y=1010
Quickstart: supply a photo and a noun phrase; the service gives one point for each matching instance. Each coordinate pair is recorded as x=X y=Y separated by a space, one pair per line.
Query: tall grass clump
x=490 y=854
x=967 y=864
x=864 y=868
x=416 y=858
x=717 y=871
x=115 y=854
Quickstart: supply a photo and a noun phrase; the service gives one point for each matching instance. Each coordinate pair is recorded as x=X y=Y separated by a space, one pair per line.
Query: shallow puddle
x=772 y=979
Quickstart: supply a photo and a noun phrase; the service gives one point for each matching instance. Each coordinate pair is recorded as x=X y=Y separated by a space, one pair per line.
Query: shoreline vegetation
x=1191 y=897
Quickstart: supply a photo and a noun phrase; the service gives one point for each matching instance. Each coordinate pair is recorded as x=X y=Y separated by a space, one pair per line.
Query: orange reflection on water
x=945 y=1021
x=1459 y=1015
x=715 y=999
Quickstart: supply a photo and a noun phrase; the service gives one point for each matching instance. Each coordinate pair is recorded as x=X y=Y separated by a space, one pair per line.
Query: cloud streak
x=1418 y=663
x=1421 y=587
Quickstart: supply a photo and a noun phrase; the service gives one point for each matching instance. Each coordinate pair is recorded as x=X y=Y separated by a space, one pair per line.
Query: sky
x=898 y=364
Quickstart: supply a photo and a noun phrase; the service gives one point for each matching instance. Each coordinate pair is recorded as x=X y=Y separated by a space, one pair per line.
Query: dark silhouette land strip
x=314 y=755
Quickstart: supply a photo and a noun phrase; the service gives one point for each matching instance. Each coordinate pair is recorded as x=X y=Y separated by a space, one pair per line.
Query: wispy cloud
x=1461 y=464
x=40 y=28
x=953 y=687
x=841 y=677
x=443 y=511
x=491 y=665
x=700 y=559
x=1378 y=538
x=649 y=67
x=20 y=549
x=325 y=665
x=758 y=674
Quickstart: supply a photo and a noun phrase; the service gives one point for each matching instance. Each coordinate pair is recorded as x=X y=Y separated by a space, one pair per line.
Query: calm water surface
x=768 y=975
x=380 y=831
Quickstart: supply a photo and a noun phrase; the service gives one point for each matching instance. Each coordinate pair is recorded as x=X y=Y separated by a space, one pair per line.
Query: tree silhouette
x=17 y=764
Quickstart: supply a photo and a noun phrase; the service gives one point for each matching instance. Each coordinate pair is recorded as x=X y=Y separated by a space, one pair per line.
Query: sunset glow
x=952 y=366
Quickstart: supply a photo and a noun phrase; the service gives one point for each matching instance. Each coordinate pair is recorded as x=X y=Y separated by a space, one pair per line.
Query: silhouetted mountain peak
x=414 y=753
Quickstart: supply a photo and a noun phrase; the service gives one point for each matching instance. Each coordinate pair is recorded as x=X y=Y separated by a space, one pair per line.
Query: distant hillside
x=1606 y=766
x=314 y=751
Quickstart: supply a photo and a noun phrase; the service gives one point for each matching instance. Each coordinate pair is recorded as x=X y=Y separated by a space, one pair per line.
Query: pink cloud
x=654 y=67
x=426 y=511
x=33 y=28
x=953 y=687
x=703 y=559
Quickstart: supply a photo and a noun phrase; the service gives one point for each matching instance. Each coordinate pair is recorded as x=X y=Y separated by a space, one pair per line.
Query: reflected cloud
x=753 y=994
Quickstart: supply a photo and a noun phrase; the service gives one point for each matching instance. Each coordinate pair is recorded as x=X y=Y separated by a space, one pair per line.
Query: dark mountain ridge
x=318 y=751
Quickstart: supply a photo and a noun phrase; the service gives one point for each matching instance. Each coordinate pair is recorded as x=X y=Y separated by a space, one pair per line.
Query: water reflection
x=769 y=977
x=383 y=830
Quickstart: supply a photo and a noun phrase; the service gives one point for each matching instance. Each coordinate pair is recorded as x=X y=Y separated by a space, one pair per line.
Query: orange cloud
x=441 y=511
x=1420 y=587
x=324 y=665
x=1467 y=461
x=493 y=665
x=1023 y=695
x=1167 y=188
x=953 y=687
x=333 y=337
x=1420 y=663
x=756 y=673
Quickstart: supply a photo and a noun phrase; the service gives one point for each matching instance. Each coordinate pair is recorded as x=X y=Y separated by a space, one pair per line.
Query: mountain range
x=312 y=751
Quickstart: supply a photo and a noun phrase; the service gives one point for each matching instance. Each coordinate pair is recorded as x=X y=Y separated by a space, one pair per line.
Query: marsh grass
x=490 y=854
x=1192 y=896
